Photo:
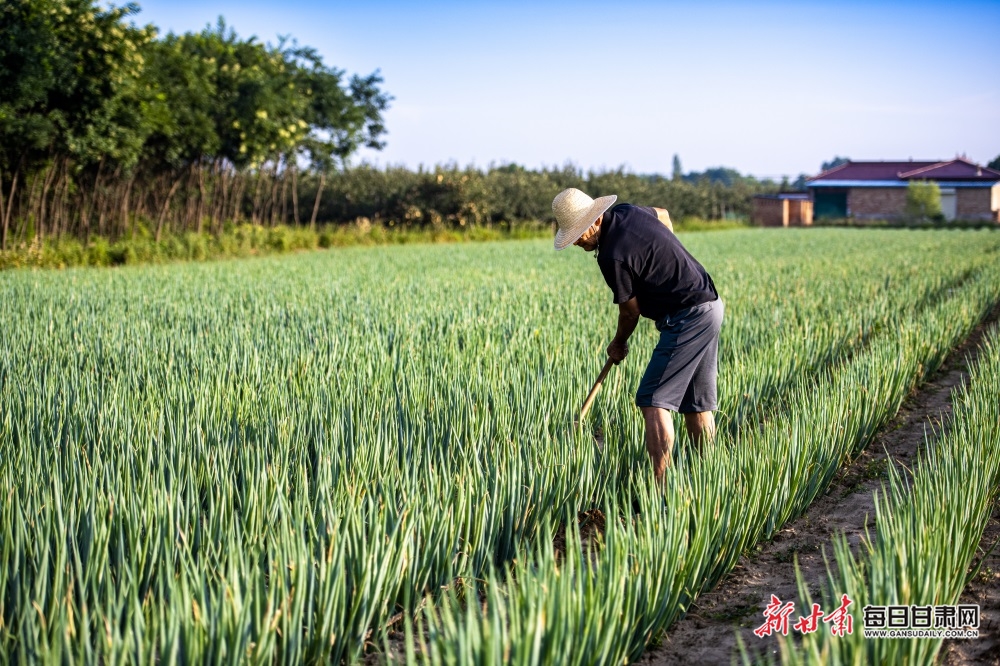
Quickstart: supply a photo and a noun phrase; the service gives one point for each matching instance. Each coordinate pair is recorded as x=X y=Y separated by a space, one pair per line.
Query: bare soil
x=707 y=634
x=591 y=525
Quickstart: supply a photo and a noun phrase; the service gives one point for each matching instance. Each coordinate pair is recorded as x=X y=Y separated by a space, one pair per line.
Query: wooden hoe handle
x=597 y=387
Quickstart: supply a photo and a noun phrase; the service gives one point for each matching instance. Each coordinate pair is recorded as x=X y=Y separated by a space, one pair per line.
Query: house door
x=949 y=203
x=830 y=203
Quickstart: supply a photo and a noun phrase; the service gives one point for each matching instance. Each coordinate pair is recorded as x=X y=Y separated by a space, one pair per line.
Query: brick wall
x=781 y=212
x=974 y=203
x=768 y=212
x=876 y=202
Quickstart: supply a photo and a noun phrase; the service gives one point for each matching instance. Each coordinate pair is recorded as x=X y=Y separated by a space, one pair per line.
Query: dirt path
x=707 y=635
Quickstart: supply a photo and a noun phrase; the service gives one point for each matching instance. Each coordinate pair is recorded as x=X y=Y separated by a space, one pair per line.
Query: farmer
x=652 y=275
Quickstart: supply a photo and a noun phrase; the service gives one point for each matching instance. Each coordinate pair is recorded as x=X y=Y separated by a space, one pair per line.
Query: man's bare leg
x=700 y=427
x=659 y=438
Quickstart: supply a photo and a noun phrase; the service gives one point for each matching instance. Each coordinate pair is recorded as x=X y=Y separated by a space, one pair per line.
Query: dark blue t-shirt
x=639 y=256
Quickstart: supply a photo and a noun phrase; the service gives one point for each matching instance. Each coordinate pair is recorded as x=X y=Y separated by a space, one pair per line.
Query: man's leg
x=659 y=438
x=700 y=427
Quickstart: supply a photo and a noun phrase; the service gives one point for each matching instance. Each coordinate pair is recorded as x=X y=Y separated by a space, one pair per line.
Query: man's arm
x=628 y=317
x=664 y=217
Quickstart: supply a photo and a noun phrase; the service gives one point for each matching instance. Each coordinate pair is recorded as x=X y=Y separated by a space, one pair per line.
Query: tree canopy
x=83 y=82
x=69 y=73
x=88 y=92
x=835 y=162
x=923 y=201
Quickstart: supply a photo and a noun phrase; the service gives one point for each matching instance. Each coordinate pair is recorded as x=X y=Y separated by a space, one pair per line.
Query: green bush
x=197 y=246
x=923 y=201
x=248 y=239
x=98 y=252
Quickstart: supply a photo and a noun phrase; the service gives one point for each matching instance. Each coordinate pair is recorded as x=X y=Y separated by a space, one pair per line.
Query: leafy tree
x=723 y=175
x=995 y=164
x=340 y=120
x=923 y=201
x=98 y=116
x=835 y=162
x=182 y=113
x=68 y=72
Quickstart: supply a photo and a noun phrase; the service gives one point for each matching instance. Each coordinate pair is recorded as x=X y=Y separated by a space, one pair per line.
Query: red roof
x=956 y=169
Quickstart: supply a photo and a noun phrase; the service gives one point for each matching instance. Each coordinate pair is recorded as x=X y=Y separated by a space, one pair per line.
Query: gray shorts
x=681 y=375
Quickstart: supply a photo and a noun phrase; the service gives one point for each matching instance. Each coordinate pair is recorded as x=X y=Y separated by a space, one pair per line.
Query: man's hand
x=617 y=351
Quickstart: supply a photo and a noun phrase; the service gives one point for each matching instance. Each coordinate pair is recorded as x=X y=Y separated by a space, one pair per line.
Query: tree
x=923 y=201
x=68 y=72
x=678 y=173
x=101 y=120
x=340 y=120
x=995 y=164
x=724 y=175
x=835 y=162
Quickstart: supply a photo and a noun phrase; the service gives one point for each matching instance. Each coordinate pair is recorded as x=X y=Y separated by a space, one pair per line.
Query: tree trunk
x=284 y=196
x=5 y=211
x=258 y=186
x=190 y=207
x=295 y=192
x=239 y=188
x=225 y=184
x=124 y=210
x=25 y=211
x=102 y=200
x=166 y=206
x=87 y=207
x=10 y=202
x=273 y=212
x=59 y=222
x=50 y=175
x=3 y=218
x=218 y=197
x=319 y=194
x=201 y=195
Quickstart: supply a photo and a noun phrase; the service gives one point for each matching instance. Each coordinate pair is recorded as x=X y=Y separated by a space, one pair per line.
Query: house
x=782 y=210
x=877 y=190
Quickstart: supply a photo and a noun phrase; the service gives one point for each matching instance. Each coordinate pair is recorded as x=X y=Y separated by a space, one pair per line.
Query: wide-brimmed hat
x=575 y=213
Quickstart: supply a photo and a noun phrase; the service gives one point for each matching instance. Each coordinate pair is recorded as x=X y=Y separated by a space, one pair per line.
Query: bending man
x=651 y=275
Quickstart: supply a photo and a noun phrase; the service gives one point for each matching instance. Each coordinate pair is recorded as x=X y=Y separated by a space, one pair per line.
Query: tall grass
x=242 y=240
x=927 y=530
x=270 y=460
x=716 y=505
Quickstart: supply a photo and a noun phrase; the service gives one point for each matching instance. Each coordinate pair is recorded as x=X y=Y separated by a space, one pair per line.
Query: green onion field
x=368 y=453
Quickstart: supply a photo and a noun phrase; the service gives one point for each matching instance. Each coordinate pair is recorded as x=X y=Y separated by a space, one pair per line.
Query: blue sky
x=771 y=89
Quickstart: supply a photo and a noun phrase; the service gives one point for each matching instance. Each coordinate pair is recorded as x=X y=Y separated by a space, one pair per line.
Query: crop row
x=928 y=530
x=718 y=504
x=272 y=459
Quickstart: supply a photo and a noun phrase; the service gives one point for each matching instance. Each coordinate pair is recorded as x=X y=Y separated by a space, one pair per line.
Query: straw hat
x=575 y=213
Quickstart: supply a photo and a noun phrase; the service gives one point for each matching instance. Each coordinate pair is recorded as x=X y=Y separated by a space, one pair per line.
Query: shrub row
x=510 y=194
x=237 y=241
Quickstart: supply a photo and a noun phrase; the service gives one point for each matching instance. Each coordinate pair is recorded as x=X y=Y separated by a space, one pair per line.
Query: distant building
x=877 y=190
x=782 y=210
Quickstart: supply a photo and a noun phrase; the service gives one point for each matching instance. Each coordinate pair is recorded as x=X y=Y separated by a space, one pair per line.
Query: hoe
x=593 y=391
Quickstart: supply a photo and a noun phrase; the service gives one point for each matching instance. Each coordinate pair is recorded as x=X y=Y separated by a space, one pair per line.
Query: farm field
x=286 y=459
